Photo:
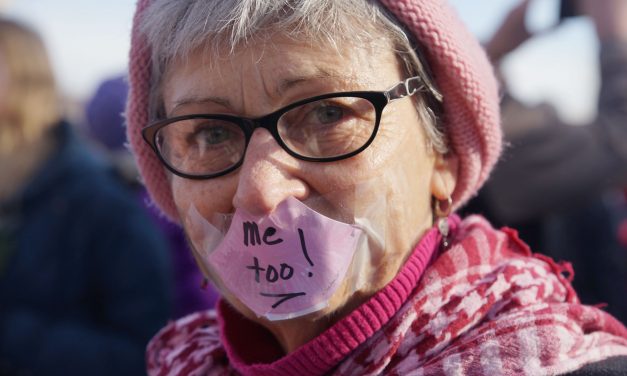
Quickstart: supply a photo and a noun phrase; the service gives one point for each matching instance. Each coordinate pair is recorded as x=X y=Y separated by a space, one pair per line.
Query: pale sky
x=89 y=41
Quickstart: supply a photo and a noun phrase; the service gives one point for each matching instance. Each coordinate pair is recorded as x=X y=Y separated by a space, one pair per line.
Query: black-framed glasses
x=323 y=128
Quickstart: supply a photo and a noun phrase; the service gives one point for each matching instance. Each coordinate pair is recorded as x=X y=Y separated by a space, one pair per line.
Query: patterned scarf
x=484 y=306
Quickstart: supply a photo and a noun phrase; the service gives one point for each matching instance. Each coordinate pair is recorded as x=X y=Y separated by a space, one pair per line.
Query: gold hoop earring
x=443 y=213
x=442 y=218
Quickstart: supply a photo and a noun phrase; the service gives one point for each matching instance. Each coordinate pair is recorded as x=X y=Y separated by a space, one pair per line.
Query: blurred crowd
x=89 y=271
x=563 y=186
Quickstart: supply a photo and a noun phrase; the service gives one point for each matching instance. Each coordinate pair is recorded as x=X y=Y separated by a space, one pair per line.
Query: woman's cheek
x=208 y=196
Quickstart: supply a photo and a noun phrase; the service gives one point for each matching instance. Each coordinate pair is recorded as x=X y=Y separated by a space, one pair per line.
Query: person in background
x=84 y=276
x=550 y=184
x=315 y=151
x=105 y=124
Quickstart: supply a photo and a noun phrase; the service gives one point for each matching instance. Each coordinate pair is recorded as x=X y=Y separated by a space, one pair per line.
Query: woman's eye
x=329 y=114
x=213 y=135
x=322 y=116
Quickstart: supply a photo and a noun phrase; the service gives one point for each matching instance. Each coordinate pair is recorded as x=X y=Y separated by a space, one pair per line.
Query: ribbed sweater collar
x=252 y=350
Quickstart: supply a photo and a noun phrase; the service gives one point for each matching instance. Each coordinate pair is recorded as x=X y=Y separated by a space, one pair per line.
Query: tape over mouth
x=293 y=261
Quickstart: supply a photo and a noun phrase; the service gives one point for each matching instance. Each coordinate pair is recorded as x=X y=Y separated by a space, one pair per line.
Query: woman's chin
x=344 y=301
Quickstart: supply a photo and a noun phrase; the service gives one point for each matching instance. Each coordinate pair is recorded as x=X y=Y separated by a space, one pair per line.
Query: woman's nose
x=268 y=176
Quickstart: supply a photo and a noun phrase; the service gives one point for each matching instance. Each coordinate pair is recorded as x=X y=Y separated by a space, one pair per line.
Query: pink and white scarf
x=484 y=306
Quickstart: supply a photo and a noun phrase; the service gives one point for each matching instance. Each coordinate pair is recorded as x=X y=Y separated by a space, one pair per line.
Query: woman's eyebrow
x=320 y=74
x=284 y=86
x=224 y=102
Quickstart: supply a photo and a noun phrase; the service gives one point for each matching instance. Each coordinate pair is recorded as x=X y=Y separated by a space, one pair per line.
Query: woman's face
x=397 y=171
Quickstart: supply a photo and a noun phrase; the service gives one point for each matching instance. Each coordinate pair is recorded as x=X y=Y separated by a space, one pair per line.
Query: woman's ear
x=444 y=176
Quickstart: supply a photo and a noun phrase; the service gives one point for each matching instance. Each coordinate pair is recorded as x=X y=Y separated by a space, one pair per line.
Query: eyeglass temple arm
x=409 y=87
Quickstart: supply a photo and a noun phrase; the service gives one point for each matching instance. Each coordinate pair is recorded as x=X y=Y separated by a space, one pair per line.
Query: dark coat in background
x=84 y=275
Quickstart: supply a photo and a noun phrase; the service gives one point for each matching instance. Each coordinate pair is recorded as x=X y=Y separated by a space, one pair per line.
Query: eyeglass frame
x=379 y=100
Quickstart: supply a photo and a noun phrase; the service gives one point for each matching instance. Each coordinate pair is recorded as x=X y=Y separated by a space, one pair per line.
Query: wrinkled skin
x=398 y=168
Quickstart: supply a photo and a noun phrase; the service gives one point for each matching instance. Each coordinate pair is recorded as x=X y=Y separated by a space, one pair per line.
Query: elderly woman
x=314 y=151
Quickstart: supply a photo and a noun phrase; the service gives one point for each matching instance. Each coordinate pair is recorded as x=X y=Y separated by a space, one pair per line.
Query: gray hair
x=177 y=28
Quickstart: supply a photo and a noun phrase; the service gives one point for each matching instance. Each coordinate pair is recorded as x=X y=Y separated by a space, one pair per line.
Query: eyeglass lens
x=201 y=146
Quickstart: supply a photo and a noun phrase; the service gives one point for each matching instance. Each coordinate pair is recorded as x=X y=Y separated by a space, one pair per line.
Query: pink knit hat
x=460 y=67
